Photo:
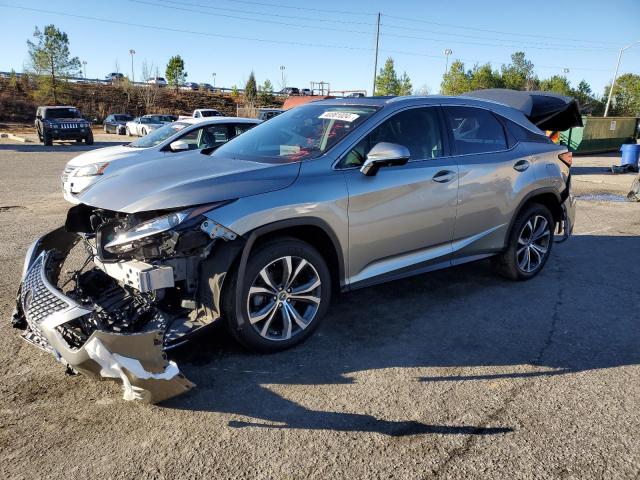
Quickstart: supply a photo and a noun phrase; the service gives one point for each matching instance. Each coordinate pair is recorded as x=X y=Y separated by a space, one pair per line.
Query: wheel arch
x=548 y=197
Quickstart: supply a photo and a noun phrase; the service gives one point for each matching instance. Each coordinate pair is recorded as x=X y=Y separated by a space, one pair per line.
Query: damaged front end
x=135 y=290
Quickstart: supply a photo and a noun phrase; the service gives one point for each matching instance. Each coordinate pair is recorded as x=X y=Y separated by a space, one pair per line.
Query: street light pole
x=132 y=52
x=84 y=66
x=282 y=67
x=615 y=75
x=214 y=79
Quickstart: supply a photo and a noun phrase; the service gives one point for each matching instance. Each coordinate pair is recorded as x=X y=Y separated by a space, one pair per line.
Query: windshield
x=210 y=113
x=301 y=133
x=149 y=120
x=123 y=118
x=61 y=113
x=160 y=135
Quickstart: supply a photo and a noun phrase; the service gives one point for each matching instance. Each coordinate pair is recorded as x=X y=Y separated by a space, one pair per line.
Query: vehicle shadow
x=579 y=314
x=58 y=147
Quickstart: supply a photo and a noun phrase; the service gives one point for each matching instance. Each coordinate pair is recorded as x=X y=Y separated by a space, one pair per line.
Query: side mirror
x=384 y=154
x=179 y=146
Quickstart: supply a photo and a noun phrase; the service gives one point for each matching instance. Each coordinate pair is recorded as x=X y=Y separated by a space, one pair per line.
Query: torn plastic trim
x=138 y=359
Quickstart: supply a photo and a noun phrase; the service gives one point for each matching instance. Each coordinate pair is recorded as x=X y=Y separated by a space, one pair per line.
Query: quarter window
x=418 y=129
x=475 y=130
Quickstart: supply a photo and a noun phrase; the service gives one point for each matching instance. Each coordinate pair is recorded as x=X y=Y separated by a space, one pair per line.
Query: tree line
x=50 y=62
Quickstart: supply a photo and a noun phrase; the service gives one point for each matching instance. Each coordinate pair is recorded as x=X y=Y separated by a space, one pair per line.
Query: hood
x=194 y=179
x=106 y=154
x=546 y=110
x=66 y=120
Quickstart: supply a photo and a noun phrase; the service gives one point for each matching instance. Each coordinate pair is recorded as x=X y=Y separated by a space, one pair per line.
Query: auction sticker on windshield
x=342 y=116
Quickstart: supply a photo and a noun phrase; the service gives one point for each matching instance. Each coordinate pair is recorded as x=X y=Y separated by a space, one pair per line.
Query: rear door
x=402 y=218
x=493 y=171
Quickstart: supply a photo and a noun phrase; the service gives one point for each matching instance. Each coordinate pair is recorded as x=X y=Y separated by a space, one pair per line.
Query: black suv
x=62 y=123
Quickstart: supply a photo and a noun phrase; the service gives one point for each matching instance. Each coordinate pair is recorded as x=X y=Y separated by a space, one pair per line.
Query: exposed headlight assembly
x=129 y=239
x=91 y=170
x=140 y=234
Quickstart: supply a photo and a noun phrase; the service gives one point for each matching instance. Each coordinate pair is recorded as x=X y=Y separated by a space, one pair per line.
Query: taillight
x=566 y=158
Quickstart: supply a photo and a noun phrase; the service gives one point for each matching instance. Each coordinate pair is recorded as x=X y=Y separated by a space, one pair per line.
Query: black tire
x=237 y=317
x=47 y=139
x=78 y=140
x=89 y=139
x=508 y=263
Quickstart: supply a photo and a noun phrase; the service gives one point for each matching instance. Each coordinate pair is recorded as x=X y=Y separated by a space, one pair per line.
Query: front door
x=403 y=218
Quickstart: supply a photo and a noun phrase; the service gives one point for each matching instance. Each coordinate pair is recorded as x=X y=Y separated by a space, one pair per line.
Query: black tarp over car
x=548 y=111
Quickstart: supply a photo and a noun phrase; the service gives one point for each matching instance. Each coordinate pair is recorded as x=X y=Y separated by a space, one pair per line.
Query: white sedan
x=140 y=126
x=172 y=141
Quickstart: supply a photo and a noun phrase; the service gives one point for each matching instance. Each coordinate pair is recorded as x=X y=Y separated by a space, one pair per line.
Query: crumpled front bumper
x=136 y=359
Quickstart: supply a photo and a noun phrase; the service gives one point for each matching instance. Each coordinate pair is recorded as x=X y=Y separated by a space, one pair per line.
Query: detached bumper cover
x=135 y=359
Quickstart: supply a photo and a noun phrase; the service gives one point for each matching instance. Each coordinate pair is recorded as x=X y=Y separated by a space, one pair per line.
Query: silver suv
x=332 y=195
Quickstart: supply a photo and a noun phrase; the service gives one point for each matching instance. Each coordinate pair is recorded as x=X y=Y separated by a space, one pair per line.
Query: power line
x=450 y=25
x=238 y=37
x=278 y=15
x=359 y=32
x=306 y=9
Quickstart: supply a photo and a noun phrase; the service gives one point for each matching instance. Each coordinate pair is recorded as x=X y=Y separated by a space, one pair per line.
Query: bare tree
x=149 y=91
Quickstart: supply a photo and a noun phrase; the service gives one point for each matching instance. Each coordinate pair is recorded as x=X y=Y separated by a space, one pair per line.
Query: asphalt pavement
x=453 y=374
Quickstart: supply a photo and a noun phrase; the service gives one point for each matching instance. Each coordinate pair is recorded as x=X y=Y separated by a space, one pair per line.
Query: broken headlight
x=129 y=239
x=142 y=233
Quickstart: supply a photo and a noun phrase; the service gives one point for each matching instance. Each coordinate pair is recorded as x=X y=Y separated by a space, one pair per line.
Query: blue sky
x=332 y=40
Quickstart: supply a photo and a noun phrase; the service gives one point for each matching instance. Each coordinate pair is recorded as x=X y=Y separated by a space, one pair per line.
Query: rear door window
x=475 y=130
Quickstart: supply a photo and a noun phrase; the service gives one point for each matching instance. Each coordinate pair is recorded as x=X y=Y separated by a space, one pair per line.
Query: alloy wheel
x=533 y=244
x=284 y=298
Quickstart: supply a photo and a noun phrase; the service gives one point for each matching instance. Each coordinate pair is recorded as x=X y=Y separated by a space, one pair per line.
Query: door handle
x=444 y=176
x=521 y=165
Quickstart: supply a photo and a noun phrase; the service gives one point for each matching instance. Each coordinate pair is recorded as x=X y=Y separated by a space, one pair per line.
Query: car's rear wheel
x=284 y=296
x=529 y=244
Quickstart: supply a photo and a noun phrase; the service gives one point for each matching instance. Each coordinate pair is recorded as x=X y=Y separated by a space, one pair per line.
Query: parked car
x=306 y=91
x=169 y=141
x=206 y=112
x=190 y=86
x=114 y=77
x=140 y=126
x=163 y=117
x=62 y=123
x=158 y=81
x=332 y=194
x=116 y=123
x=355 y=95
x=267 y=113
x=289 y=91
x=207 y=87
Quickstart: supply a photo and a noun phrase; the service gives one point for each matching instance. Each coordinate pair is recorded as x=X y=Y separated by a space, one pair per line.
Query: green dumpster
x=600 y=134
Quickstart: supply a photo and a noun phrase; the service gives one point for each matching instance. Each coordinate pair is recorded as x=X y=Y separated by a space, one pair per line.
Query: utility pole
x=375 y=62
x=84 y=66
x=132 y=52
x=214 y=79
x=615 y=75
x=447 y=52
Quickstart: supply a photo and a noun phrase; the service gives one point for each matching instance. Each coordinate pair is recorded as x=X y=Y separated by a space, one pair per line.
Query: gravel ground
x=455 y=374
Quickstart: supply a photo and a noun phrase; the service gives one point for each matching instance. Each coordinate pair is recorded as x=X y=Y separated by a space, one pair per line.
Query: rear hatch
x=548 y=111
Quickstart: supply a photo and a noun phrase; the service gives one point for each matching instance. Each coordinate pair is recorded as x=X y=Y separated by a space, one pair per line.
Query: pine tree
x=251 y=90
x=405 y=86
x=175 y=72
x=387 y=82
x=266 y=93
x=50 y=59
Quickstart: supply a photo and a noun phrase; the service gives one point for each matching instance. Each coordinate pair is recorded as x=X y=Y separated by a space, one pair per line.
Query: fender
x=527 y=197
x=281 y=225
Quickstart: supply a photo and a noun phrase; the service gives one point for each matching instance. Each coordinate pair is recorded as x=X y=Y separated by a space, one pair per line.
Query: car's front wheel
x=530 y=243
x=285 y=294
